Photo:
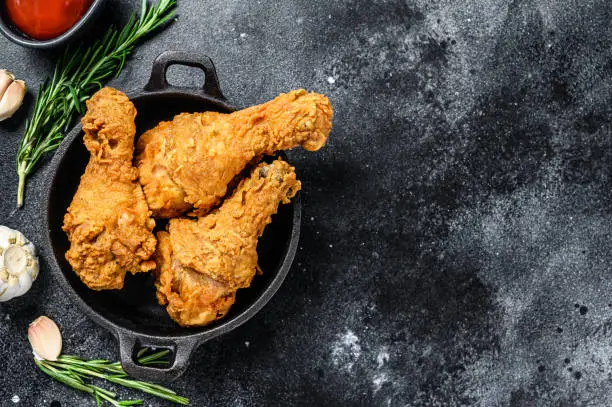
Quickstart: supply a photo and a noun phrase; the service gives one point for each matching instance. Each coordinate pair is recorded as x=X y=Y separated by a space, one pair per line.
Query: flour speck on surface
x=346 y=350
x=15 y=399
x=379 y=380
x=382 y=357
x=331 y=80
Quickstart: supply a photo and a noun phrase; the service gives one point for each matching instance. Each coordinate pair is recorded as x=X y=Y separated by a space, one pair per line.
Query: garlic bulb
x=11 y=94
x=18 y=264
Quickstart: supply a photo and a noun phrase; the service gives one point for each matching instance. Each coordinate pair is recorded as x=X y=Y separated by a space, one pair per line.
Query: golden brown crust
x=192 y=298
x=108 y=222
x=201 y=263
x=189 y=161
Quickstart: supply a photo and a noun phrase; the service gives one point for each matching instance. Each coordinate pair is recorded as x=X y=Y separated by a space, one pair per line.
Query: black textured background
x=456 y=237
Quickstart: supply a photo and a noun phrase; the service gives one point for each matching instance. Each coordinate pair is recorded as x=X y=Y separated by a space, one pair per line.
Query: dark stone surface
x=456 y=238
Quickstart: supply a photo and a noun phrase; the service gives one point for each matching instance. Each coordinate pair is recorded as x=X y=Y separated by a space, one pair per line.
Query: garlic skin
x=6 y=78
x=45 y=338
x=18 y=264
x=12 y=93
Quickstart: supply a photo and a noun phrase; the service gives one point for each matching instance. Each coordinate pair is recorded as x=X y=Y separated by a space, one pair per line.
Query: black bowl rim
x=117 y=330
x=18 y=38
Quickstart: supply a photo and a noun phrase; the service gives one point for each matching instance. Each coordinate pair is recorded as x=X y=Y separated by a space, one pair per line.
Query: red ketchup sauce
x=46 y=19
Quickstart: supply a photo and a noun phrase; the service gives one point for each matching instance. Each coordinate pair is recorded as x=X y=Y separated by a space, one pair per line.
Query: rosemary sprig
x=78 y=74
x=73 y=371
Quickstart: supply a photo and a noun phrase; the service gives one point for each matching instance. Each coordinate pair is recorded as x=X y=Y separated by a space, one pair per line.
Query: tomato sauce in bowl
x=45 y=19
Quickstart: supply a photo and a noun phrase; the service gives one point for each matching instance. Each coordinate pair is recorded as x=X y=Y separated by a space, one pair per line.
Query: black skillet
x=133 y=314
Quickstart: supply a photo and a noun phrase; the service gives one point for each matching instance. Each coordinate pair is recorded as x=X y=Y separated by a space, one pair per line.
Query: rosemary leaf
x=72 y=371
x=77 y=75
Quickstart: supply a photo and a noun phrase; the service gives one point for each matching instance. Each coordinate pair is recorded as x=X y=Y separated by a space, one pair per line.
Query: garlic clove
x=33 y=268
x=14 y=286
x=25 y=283
x=45 y=338
x=6 y=78
x=12 y=99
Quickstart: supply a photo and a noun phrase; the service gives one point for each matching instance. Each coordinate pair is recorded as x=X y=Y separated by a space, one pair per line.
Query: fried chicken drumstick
x=201 y=263
x=108 y=222
x=189 y=161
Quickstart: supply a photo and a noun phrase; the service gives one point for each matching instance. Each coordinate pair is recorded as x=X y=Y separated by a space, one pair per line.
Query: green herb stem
x=72 y=371
x=78 y=74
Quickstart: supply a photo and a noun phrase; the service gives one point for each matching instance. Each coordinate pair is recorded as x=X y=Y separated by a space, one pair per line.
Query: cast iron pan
x=133 y=314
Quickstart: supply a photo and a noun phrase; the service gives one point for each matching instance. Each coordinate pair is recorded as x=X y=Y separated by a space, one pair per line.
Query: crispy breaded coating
x=201 y=263
x=108 y=222
x=188 y=162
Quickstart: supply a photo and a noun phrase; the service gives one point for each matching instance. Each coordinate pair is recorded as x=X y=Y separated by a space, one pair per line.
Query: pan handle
x=158 y=80
x=129 y=344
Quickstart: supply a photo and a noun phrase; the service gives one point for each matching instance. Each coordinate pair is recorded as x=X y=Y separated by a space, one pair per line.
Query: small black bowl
x=14 y=34
x=133 y=314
